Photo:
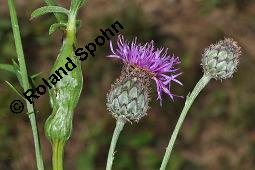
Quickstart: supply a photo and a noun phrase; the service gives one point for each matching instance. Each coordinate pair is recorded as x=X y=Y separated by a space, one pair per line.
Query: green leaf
x=55 y=26
x=60 y=17
x=81 y=3
x=14 y=68
x=8 y=67
x=76 y=4
x=17 y=71
x=15 y=90
x=48 y=9
x=36 y=75
x=15 y=64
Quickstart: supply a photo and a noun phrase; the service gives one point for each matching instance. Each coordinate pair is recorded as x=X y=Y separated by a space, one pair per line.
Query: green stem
x=25 y=83
x=189 y=100
x=119 y=126
x=58 y=152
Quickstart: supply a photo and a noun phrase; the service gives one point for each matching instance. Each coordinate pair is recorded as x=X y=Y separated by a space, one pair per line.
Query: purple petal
x=155 y=60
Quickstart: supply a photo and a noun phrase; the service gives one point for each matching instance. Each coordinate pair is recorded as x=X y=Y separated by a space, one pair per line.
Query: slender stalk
x=58 y=152
x=119 y=126
x=25 y=83
x=189 y=100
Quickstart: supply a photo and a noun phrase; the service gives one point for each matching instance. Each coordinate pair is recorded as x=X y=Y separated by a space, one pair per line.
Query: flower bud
x=59 y=125
x=129 y=96
x=220 y=60
x=64 y=98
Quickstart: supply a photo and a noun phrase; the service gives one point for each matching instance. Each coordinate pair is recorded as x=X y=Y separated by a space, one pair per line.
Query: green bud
x=65 y=95
x=220 y=60
x=129 y=96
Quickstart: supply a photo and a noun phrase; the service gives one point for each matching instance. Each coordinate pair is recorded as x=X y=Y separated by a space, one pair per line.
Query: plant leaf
x=15 y=64
x=76 y=4
x=48 y=9
x=17 y=72
x=15 y=90
x=59 y=16
x=36 y=75
x=8 y=67
x=55 y=26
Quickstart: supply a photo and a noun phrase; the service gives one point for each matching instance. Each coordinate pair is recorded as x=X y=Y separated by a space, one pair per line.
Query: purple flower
x=156 y=62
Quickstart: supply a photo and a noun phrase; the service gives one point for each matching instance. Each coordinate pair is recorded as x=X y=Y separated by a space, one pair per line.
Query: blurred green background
x=219 y=131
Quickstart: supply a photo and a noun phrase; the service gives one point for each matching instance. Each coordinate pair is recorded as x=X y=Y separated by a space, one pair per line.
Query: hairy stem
x=189 y=100
x=119 y=126
x=58 y=152
x=25 y=83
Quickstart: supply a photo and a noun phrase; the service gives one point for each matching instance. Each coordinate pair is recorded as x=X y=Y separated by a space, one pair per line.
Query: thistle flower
x=129 y=96
x=128 y=99
x=220 y=60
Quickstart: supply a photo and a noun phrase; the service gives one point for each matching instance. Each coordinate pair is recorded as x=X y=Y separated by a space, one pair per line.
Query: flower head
x=156 y=63
x=220 y=60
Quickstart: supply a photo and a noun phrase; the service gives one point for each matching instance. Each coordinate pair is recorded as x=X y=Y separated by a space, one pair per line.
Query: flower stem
x=25 y=83
x=119 y=126
x=58 y=152
x=189 y=100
